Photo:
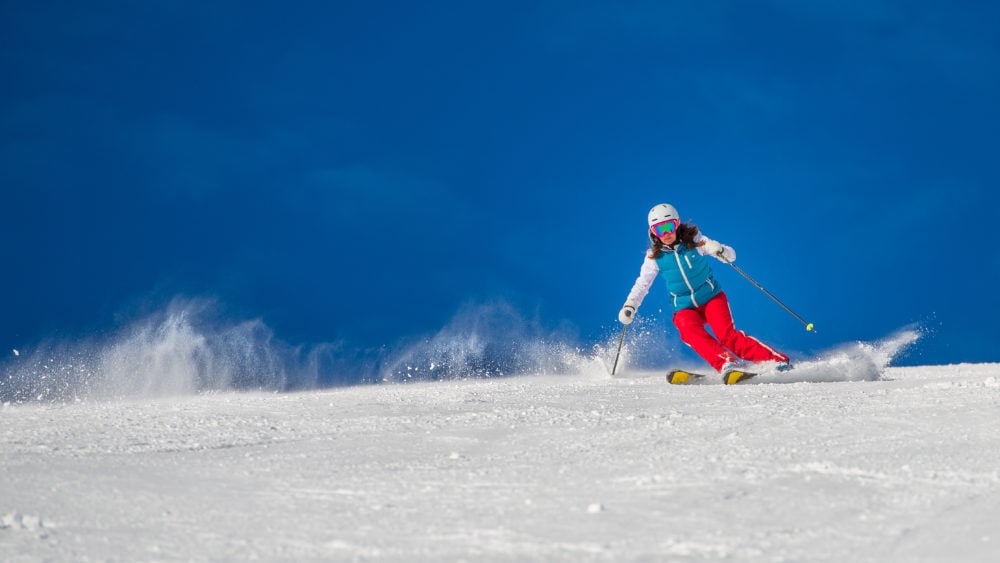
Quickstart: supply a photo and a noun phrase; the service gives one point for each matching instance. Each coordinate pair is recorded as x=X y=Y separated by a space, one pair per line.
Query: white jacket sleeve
x=728 y=252
x=647 y=275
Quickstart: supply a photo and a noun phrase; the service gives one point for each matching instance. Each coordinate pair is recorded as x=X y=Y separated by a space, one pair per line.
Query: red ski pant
x=718 y=351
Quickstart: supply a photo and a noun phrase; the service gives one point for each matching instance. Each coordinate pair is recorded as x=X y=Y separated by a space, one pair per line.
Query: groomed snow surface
x=903 y=465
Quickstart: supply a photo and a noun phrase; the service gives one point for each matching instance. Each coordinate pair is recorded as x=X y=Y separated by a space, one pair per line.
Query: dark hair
x=685 y=234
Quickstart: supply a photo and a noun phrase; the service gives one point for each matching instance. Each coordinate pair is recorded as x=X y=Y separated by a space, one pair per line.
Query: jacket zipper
x=687 y=282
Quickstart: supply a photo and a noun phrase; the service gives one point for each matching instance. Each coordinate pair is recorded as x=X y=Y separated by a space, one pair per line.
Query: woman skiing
x=678 y=254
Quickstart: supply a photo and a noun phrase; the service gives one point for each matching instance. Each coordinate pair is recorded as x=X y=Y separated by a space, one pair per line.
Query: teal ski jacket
x=688 y=277
x=686 y=273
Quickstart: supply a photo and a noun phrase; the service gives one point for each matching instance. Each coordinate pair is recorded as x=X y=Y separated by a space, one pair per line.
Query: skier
x=678 y=254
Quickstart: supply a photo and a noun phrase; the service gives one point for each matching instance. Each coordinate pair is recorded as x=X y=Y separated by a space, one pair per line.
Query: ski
x=731 y=377
x=735 y=376
x=679 y=376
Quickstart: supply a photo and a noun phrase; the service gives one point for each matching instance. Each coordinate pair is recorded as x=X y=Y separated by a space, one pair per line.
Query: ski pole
x=620 y=342
x=809 y=326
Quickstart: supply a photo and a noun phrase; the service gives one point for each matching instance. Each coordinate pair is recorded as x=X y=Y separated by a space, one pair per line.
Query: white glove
x=627 y=314
x=714 y=248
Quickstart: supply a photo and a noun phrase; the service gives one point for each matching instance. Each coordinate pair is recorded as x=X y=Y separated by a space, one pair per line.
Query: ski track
x=542 y=468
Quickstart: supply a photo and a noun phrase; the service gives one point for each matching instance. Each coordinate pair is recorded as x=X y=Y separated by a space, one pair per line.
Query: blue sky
x=360 y=171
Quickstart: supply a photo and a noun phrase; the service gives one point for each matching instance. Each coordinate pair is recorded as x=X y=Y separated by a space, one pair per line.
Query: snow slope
x=576 y=467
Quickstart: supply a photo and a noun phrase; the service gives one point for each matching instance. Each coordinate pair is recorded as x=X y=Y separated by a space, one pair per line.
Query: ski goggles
x=665 y=227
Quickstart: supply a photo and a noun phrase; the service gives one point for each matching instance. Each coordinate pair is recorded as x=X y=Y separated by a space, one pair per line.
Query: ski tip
x=679 y=376
x=735 y=376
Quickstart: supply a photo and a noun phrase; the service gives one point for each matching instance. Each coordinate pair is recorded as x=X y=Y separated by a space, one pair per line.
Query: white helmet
x=662 y=212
